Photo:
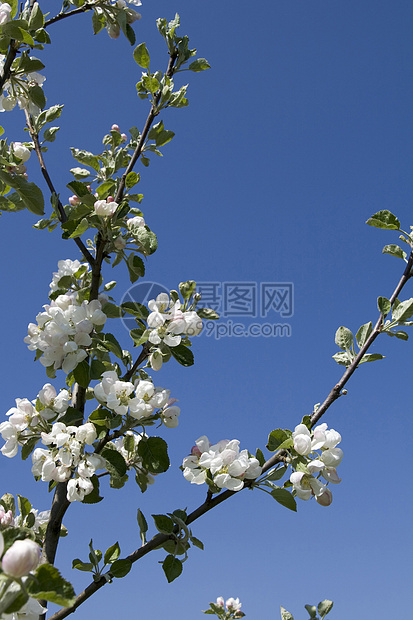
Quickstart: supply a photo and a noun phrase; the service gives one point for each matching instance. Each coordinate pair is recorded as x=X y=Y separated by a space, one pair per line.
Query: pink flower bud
x=110 y=199
x=220 y=601
x=74 y=201
x=21 y=558
x=6 y=518
x=124 y=137
x=115 y=128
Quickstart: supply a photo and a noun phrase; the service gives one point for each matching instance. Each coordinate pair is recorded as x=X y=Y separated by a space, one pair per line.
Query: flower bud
x=124 y=137
x=6 y=518
x=115 y=128
x=74 y=201
x=21 y=558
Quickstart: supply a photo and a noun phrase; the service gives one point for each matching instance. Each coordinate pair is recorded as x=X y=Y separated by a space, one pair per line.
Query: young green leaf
x=172 y=567
x=384 y=219
x=141 y=56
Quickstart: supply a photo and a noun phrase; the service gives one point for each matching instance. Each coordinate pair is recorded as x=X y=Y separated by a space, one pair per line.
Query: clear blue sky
x=300 y=131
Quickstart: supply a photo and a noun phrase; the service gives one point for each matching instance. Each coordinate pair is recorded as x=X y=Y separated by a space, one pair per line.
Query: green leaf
x=403 y=311
x=112 y=554
x=146 y=238
x=141 y=56
x=183 y=355
x=384 y=306
x=120 y=568
x=116 y=460
x=36 y=19
x=150 y=83
x=84 y=157
x=324 y=608
x=277 y=438
x=371 y=357
x=172 y=567
x=8 y=503
x=197 y=543
x=111 y=344
x=154 y=454
x=98 y=22
x=363 y=333
x=36 y=95
x=80 y=228
x=394 y=250
x=84 y=566
x=23 y=505
x=136 y=309
x=136 y=267
x=207 y=313
x=277 y=474
x=260 y=457
x=48 y=584
x=285 y=615
x=28 y=447
x=80 y=173
x=187 y=288
x=112 y=311
x=384 y=219
x=284 y=497
x=143 y=526
x=312 y=610
x=342 y=358
x=200 y=64
x=163 y=524
x=344 y=339
x=29 y=193
x=132 y=179
x=82 y=374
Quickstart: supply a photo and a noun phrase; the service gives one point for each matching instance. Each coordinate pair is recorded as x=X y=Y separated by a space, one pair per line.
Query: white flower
x=170 y=416
x=233 y=604
x=5 y=13
x=103 y=208
x=332 y=457
x=227 y=465
x=65 y=268
x=9 y=432
x=77 y=488
x=21 y=558
x=21 y=151
x=302 y=440
x=135 y=222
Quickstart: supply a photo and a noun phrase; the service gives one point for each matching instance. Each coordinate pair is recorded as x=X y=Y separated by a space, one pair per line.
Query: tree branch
x=212 y=502
x=61 y=212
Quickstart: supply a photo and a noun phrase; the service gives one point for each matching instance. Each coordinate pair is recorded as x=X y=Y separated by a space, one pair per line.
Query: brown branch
x=61 y=212
x=60 y=16
x=11 y=55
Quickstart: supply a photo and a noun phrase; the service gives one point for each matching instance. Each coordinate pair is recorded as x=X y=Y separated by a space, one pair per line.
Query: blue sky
x=300 y=131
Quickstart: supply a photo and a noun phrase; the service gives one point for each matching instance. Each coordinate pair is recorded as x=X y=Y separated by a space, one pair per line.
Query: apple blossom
x=6 y=518
x=20 y=150
x=105 y=208
x=5 y=13
x=223 y=461
x=31 y=610
x=21 y=558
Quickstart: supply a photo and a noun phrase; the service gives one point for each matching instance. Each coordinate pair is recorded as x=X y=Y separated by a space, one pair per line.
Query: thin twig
x=61 y=212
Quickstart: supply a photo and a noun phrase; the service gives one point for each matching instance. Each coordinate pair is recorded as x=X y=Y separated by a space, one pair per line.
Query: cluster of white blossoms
x=322 y=463
x=168 y=324
x=139 y=400
x=222 y=464
x=18 y=93
x=65 y=268
x=25 y=419
x=64 y=455
x=62 y=333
